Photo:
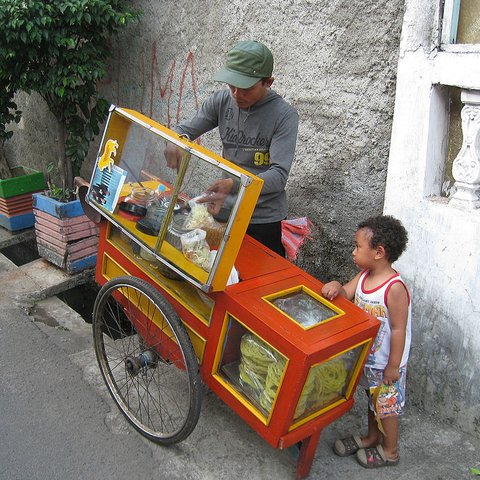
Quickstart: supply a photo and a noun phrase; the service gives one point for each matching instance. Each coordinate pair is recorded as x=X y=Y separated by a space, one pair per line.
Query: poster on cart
x=108 y=179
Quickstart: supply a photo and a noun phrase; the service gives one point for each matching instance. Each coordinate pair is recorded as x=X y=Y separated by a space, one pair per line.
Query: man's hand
x=216 y=194
x=173 y=156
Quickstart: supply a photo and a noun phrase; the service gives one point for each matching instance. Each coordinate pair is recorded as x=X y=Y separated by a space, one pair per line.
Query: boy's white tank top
x=375 y=302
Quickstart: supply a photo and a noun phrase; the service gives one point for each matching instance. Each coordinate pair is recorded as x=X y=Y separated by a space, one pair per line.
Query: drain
x=21 y=253
x=81 y=299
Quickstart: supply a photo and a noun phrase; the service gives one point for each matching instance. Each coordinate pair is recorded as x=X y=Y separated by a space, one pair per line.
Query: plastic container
x=141 y=196
x=176 y=229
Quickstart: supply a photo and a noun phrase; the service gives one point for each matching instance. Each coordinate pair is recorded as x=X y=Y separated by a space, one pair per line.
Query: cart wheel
x=147 y=360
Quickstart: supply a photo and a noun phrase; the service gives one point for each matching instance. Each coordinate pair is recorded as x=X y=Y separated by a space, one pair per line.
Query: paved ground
x=221 y=447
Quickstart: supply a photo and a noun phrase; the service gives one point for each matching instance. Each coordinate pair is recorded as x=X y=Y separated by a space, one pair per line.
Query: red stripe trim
x=364 y=290
x=388 y=289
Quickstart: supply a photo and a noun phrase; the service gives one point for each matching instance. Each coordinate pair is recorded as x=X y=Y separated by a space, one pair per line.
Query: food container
x=176 y=229
x=141 y=196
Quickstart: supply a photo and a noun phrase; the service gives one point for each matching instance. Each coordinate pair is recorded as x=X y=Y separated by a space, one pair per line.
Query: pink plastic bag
x=294 y=233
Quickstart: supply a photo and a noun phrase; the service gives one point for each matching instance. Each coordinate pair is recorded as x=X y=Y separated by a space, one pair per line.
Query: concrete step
x=36 y=280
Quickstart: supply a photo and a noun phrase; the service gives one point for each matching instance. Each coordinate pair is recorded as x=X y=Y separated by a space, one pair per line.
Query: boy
x=378 y=289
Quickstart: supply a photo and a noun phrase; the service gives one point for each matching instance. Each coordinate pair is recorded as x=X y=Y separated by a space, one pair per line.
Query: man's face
x=246 y=97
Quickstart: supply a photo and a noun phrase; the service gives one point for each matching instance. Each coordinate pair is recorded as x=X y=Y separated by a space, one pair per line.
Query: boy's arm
x=397 y=301
x=332 y=289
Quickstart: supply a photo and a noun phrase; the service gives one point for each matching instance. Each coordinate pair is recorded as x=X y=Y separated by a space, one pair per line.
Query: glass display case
x=181 y=206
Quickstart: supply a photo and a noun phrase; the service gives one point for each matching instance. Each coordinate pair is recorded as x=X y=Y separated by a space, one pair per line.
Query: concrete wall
x=441 y=264
x=334 y=60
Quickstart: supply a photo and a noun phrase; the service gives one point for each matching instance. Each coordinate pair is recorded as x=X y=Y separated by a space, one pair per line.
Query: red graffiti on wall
x=161 y=86
x=165 y=89
x=152 y=91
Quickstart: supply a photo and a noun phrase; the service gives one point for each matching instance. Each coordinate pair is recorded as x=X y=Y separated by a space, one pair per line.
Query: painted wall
x=334 y=60
x=441 y=263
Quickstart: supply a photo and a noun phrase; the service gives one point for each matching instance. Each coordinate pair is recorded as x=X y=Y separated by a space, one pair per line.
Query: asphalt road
x=58 y=422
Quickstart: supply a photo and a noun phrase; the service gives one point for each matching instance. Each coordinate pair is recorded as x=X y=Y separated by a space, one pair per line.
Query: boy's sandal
x=374 y=457
x=347 y=446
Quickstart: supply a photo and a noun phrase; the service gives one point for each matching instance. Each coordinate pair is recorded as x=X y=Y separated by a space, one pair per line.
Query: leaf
x=60 y=49
x=475 y=471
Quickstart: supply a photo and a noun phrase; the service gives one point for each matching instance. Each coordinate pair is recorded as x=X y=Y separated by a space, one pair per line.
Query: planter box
x=22 y=183
x=16 y=211
x=57 y=209
x=66 y=237
x=17 y=222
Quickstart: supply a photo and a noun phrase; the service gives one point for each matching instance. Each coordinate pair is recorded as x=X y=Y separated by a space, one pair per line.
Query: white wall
x=441 y=264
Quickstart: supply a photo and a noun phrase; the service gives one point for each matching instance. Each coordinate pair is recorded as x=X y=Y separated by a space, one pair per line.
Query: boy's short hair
x=387 y=232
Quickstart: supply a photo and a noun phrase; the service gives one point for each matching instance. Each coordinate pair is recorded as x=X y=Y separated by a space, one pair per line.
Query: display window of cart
x=184 y=217
x=304 y=307
x=250 y=368
x=191 y=297
x=329 y=383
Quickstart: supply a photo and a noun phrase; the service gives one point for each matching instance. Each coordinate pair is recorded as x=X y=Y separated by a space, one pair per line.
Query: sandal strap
x=375 y=455
x=351 y=444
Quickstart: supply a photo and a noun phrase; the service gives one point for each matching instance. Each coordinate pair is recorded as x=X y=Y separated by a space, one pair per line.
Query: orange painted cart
x=187 y=297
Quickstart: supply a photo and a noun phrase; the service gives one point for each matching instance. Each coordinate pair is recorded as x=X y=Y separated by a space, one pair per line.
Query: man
x=258 y=130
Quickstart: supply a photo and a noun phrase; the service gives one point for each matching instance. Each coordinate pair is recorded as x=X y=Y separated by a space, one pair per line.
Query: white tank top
x=375 y=302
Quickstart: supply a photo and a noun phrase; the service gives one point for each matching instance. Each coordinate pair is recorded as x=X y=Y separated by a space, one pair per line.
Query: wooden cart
x=167 y=318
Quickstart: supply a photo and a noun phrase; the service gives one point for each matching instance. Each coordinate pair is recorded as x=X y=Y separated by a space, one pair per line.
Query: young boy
x=379 y=290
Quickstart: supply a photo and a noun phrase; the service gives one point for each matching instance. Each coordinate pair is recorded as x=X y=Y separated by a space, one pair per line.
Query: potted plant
x=60 y=51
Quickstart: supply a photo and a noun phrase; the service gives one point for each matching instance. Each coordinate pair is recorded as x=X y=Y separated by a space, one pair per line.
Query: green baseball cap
x=247 y=63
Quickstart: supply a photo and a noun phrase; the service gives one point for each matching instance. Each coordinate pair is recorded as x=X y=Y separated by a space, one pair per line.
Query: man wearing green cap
x=258 y=130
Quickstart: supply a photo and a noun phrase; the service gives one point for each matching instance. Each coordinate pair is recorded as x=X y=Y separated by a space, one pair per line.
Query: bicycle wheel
x=147 y=360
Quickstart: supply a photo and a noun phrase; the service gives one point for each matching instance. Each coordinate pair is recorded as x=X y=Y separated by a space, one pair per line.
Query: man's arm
x=204 y=120
x=282 y=153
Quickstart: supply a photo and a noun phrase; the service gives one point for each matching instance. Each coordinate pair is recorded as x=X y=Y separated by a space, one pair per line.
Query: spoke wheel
x=147 y=359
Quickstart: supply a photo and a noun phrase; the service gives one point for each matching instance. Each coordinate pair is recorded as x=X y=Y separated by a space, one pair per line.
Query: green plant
x=61 y=193
x=60 y=49
x=8 y=112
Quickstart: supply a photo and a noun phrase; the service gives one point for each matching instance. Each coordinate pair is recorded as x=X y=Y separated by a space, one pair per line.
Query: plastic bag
x=195 y=248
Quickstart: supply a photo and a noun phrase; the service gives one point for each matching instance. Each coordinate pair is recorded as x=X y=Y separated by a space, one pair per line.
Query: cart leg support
x=307 y=454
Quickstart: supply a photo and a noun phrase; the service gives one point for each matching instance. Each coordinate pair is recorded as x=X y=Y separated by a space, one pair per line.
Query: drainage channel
x=79 y=298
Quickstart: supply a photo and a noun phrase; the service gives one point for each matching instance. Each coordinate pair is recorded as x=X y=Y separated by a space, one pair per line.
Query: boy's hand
x=391 y=375
x=332 y=289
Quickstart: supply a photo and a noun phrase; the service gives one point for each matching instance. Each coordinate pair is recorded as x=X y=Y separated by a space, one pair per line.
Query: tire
x=149 y=366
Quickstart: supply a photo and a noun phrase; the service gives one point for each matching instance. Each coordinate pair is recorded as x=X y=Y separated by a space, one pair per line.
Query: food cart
x=187 y=297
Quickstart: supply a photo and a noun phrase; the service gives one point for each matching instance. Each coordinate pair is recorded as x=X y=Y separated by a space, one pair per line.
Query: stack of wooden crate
x=16 y=211
x=65 y=236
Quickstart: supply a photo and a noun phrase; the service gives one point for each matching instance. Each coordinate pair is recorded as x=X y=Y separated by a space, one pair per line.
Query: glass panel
x=254 y=368
x=205 y=204
x=327 y=383
x=200 y=304
x=176 y=203
x=469 y=22
x=303 y=308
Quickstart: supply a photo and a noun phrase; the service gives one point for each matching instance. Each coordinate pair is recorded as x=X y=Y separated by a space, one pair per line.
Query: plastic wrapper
x=199 y=217
x=195 y=248
x=272 y=382
x=260 y=369
x=324 y=384
x=303 y=309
